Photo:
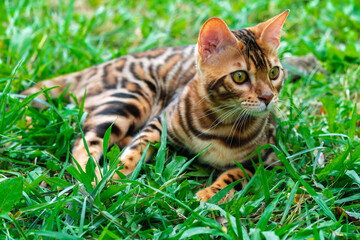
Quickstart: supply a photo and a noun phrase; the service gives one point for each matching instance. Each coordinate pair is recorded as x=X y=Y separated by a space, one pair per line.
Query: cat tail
x=58 y=85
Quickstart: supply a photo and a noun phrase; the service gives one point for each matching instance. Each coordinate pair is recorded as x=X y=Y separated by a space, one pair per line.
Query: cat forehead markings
x=252 y=49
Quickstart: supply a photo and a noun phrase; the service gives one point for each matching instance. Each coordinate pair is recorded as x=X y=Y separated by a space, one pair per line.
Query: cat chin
x=259 y=113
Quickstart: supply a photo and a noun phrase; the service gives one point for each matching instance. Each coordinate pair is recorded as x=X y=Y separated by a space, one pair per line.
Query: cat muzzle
x=266 y=98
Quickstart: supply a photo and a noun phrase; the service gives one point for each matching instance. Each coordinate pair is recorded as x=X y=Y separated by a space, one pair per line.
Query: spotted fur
x=204 y=106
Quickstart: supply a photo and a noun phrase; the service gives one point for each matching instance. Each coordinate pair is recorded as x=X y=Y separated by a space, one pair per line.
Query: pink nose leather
x=266 y=98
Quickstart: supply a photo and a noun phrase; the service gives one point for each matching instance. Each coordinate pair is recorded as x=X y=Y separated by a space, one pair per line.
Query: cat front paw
x=205 y=194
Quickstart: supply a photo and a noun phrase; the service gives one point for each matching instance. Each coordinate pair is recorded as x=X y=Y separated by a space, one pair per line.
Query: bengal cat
x=219 y=93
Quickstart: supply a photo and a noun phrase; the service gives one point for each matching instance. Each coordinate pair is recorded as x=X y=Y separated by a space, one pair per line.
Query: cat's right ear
x=214 y=37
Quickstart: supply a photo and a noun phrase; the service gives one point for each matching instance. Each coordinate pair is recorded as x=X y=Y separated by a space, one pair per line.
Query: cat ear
x=214 y=36
x=272 y=30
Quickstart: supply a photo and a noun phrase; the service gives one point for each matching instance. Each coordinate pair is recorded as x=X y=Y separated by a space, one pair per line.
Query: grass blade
x=82 y=217
x=188 y=234
x=263 y=178
x=290 y=201
x=18 y=227
x=55 y=235
x=160 y=157
x=219 y=195
x=353 y=120
x=265 y=217
x=106 y=140
x=135 y=173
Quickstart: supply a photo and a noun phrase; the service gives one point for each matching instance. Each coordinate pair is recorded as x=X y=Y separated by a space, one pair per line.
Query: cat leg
x=221 y=182
x=133 y=152
x=94 y=131
x=125 y=141
x=269 y=158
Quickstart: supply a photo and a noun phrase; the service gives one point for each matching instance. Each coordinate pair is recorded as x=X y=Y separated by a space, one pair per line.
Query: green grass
x=42 y=196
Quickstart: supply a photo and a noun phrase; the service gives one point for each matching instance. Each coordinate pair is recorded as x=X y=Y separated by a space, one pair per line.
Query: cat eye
x=274 y=73
x=239 y=76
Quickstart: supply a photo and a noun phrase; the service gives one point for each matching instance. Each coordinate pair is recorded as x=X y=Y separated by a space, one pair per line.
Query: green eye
x=274 y=73
x=239 y=76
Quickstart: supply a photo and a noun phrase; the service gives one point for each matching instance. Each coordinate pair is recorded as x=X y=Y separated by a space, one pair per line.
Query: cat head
x=241 y=67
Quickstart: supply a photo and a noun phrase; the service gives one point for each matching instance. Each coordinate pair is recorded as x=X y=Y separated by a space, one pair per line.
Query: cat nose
x=266 y=98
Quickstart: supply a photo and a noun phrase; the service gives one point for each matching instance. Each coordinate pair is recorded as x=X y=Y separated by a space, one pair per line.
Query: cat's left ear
x=272 y=29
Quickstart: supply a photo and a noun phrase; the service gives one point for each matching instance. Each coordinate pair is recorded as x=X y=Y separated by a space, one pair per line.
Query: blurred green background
x=57 y=37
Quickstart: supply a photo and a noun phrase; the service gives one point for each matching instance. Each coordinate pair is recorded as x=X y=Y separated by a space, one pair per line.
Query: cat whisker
x=203 y=99
x=219 y=120
x=236 y=123
x=279 y=111
x=217 y=109
x=232 y=128
x=243 y=122
x=227 y=114
x=286 y=103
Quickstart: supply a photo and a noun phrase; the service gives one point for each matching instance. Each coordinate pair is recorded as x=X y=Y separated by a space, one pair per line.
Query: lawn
x=314 y=195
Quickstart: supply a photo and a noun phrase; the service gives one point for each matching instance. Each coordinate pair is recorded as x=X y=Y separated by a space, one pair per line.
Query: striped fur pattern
x=207 y=100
